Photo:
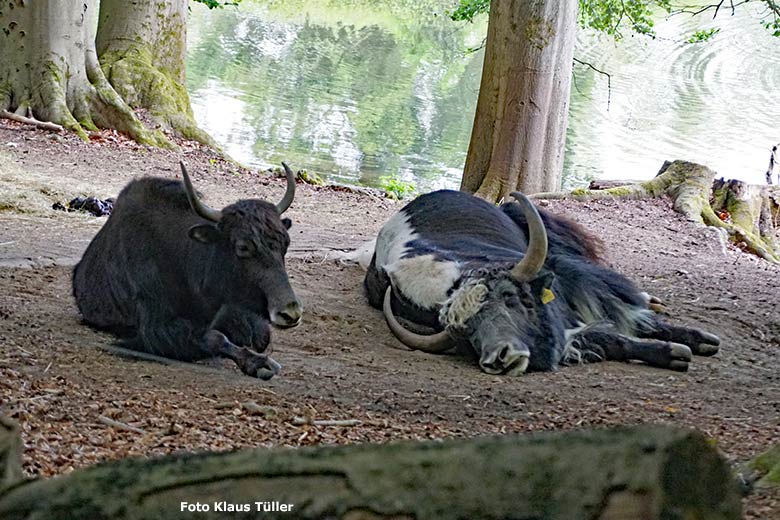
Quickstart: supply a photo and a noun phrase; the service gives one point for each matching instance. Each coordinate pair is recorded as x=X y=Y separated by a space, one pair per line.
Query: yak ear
x=287 y=223
x=543 y=281
x=204 y=233
x=542 y=286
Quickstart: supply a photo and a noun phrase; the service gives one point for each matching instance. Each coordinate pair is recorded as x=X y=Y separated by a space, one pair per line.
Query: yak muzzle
x=508 y=359
x=287 y=317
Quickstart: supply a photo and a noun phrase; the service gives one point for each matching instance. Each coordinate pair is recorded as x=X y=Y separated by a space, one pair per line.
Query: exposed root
x=31 y=121
x=134 y=76
x=746 y=213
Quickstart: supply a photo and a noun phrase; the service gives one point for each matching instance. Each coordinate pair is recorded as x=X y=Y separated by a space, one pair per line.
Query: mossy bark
x=519 y=131
x=142 y=46
x=748 y=214
x=10 y=454
x=648 y=472
x=767 y=466
x=49 y=69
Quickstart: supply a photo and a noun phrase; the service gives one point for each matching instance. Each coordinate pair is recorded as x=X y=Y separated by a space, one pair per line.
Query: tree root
x=58 y=78
x=748 y=214
x=31 y=121
x=134 y=76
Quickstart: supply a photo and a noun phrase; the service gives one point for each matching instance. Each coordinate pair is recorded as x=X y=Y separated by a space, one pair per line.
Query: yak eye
x=244 y=249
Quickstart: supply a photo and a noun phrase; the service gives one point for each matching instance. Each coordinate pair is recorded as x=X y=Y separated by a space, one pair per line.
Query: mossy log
x=645 y=472
x=763 y=471
x=746 y=213
x=10 y=453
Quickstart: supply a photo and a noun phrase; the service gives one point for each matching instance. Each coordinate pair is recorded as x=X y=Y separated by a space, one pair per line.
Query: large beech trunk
x=640 y=473
x=519 y=132
x=49 y=69
x=142 y=47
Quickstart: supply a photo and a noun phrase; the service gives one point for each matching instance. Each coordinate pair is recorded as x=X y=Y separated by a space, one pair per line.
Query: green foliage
x=610 y=16
x=602 y=15
x=702 y=35
x=213 y=4
x=773 y=26
x=467 y=10
x=396 y=188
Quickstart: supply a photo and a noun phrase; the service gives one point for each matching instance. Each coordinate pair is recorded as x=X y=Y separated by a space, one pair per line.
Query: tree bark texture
x=748 y=214
x=142 y=49
x=519 y=133
x=640 y=473
x=49 y=69
x=10 y=454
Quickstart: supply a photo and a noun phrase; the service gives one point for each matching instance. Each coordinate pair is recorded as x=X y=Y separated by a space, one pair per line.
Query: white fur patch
x=391 y=243
x=571 y=354
x=423 y=279
x=463 y=304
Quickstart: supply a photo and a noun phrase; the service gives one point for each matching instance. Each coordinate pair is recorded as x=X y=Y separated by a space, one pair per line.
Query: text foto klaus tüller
x=233 y=507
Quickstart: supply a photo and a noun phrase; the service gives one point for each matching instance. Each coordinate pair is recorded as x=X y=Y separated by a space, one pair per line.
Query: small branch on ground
x=120 y=425
x=252 y=408
x=31 y=121
x=301 y=421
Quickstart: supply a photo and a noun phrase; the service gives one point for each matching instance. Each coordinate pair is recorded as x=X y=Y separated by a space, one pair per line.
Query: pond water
x=359 y=90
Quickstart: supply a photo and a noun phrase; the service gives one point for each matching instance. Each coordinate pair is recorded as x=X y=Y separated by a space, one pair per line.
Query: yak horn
x=435 y=343
x=527 y=268
x=289 y=195
x=196 y=204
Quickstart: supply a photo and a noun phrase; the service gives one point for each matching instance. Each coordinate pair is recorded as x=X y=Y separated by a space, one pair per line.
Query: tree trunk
x=142 y=47
x=49 y=69
x=519 y=133
x=641 y=473
x=748 y=214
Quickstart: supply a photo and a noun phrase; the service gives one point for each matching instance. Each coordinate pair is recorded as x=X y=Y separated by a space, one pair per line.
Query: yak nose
x=509 y=358
x=288 y=316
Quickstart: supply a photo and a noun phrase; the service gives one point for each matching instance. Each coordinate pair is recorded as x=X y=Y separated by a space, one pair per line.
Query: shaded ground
x=343 y=363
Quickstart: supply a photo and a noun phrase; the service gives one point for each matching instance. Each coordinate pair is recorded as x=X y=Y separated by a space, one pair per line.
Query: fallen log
x=639 y=473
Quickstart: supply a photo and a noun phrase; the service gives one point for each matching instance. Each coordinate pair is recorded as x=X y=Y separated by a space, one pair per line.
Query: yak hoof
x=260 y=366
x=658 y=308
x=269 y=370
x=703 y=349
x=709 y=344
x=679 y=352
x=680 y=356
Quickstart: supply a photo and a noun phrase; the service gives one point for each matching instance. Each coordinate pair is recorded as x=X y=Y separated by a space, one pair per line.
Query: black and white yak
x=517 y=290
x=173 y=277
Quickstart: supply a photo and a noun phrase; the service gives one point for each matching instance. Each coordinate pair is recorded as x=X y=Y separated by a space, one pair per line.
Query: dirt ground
x=342 y=362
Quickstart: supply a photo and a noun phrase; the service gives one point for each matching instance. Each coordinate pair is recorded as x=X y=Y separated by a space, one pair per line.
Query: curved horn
x=527 y=268
x=289 y=195
x=196 y=204
x=435 y=343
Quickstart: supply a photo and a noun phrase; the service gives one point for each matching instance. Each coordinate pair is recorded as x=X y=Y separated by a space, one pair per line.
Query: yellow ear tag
x=547 y=296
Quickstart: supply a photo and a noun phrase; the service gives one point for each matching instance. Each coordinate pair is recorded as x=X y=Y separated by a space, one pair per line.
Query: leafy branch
x=217 y=4
x=612 y=16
